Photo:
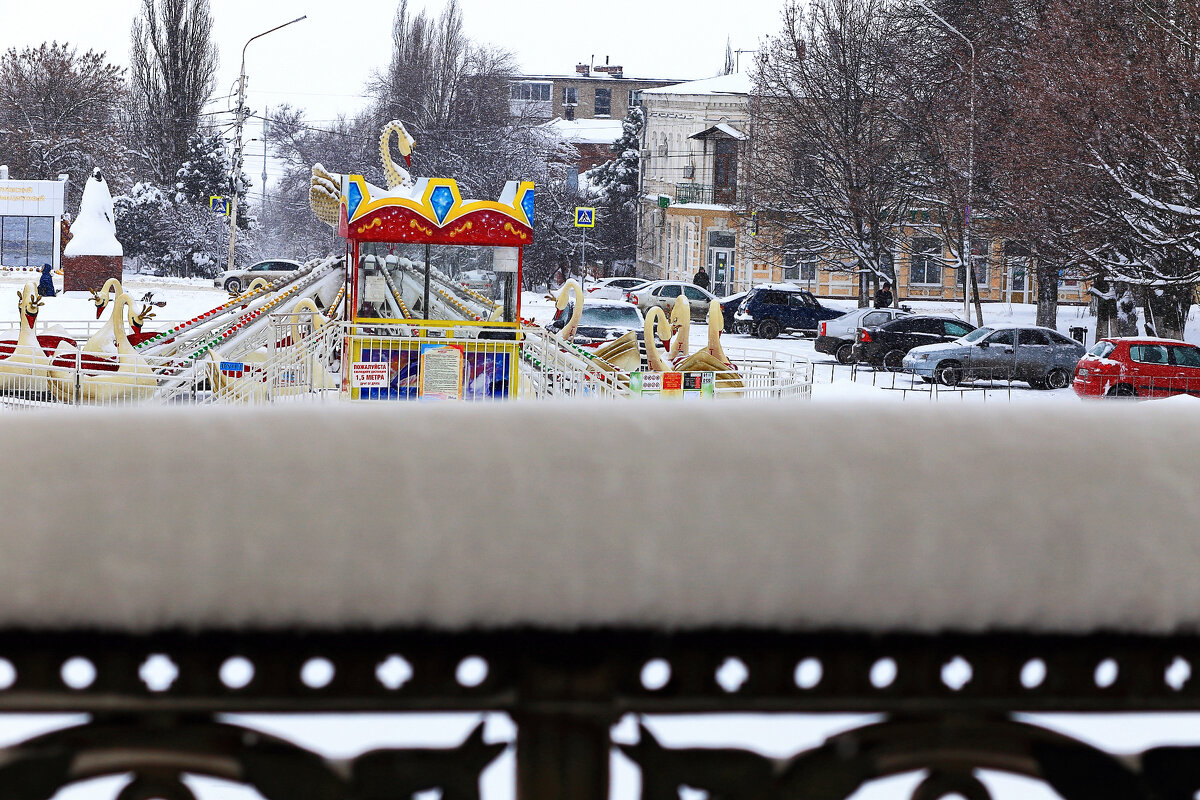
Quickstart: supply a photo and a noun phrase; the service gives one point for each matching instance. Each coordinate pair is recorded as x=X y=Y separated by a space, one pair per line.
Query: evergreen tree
x=614 y=191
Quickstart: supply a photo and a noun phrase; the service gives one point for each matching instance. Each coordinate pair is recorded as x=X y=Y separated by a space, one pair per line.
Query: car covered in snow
x=601 y=321
x=836 y=337
x=1138 y=367
x=478 y=280
x=613 y=288
x=234 y=280
x=1041 y=357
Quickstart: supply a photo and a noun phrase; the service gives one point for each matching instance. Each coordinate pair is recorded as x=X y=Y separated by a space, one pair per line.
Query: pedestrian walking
x=701 y=278
x=46 y=284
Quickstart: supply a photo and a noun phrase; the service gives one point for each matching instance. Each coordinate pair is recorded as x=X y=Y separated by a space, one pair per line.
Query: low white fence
x=290 y=361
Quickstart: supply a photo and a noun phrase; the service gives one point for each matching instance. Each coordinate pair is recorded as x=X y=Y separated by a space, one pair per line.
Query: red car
x=1138 y=368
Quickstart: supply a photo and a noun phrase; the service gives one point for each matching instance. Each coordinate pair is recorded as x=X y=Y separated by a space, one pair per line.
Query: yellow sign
x=585 y=217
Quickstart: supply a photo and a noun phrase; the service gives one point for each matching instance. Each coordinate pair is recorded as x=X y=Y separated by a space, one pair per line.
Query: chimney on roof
x=582 y=69
x=615 y=71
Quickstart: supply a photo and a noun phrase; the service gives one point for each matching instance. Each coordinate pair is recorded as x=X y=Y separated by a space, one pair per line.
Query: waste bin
x=1079 y=334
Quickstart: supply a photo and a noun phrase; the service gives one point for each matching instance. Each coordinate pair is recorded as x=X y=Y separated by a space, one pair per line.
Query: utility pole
x=969 y=273
x=266 y=119
x=235 y=177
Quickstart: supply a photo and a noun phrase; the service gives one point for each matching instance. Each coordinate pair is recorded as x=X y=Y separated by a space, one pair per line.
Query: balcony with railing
x=704 y=193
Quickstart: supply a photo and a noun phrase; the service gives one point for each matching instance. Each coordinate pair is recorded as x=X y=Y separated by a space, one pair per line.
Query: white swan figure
x=23 y=368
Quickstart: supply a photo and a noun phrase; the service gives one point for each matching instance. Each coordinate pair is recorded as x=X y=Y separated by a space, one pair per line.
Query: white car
x=234 y=280
x=613 y=288
x=835 y=337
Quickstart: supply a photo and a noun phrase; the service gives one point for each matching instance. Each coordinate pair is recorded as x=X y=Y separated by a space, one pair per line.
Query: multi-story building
x=592 y=92
x=695 y=143
x=695 y=139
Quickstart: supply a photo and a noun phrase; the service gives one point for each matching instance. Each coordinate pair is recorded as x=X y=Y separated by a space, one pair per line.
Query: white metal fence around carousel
x=303 y=358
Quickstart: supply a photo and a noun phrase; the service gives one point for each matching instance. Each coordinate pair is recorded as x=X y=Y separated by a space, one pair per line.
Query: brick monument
x=93 y=255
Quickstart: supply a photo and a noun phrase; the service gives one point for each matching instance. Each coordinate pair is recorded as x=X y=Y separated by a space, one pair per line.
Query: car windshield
x=610 y=317
x=976 y=335
x=1101 y=349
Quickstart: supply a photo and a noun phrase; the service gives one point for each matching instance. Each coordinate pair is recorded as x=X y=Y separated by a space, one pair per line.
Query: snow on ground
x=185 y=297
x=833 y=382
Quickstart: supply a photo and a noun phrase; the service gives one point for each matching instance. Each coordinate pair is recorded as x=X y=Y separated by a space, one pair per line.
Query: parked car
x=836 y=336
x=1042 y=357
x=601 y=321
x=613 y=288
x=1138 y=368
x=768 y=311
x=234 y=280
x=729 y=307
x=478 y=280
x=885 y=346
x=663 y=294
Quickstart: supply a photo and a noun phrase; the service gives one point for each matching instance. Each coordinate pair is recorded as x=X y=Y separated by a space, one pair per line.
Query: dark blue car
x=768 y=311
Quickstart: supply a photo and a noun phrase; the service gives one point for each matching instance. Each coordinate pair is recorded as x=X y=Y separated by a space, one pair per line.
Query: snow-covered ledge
x=661 y=516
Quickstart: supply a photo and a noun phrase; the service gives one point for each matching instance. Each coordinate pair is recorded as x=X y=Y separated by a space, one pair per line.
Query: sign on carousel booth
x=688 y=385
x=585 y=217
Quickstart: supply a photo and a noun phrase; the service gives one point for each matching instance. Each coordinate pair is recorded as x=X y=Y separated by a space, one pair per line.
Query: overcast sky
x=323 y=63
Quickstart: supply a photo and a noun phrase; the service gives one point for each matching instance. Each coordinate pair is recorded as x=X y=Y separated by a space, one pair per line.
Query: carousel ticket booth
x=416 y=332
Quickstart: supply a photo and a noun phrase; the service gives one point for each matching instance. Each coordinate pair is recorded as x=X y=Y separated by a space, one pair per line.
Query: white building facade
x=30 y=221
x=695 y=140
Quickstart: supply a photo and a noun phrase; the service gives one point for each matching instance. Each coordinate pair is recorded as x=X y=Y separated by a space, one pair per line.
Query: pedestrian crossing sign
x=585 y=217
x=219 y=204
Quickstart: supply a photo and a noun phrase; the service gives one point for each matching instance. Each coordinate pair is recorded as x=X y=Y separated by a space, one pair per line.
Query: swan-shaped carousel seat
x=712 y=358
x=656 y=360
x=571 y=287
x=681 y=329
x=137 y=319
x=103 y=378
x=23 y=363
x=321 y=376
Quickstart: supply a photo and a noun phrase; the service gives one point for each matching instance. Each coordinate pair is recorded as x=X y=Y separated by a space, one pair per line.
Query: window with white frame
x=635 y=97
x=529 y=90
x=570 y=96
x=925 y=263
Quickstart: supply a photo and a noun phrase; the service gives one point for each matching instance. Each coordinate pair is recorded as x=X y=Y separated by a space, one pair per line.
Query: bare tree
x=59 y=113
x=173 y=67
x=828 y=175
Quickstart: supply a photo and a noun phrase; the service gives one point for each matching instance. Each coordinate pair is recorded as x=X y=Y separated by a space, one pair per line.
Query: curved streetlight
x=235 y=176
x=968 y=275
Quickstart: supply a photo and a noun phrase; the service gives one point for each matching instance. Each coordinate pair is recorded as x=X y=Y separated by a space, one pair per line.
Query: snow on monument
x=93 y=255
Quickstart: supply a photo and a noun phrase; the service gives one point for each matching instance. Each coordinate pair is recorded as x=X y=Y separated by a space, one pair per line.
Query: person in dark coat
x=46 y=284
x=883 y=296
x=701 y=278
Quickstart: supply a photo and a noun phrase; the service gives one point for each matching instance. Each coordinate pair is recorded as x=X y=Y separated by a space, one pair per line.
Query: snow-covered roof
x=736 y=83
x=720 y=127
x=549 y=515
x=586 y=131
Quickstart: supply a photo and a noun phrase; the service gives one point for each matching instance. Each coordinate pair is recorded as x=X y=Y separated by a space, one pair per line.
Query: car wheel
x=233 y=285
x=893 y=360
x=1037 y=383
x=948 y=373
x=768 y=329
x=926 y=380
x=1122 y=390
x=1057 y=378
x=845 y=353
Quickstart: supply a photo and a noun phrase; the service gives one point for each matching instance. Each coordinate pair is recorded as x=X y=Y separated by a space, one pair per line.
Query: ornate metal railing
x=948 y=704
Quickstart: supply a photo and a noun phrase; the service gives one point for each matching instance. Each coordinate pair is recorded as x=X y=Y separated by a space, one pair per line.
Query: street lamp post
x=235 y=176
x=968 y=275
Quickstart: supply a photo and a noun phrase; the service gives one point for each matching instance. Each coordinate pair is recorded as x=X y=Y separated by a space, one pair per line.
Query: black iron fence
x=948 y=706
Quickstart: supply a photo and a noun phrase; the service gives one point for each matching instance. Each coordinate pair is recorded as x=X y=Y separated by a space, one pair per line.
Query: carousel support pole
x=425 y=302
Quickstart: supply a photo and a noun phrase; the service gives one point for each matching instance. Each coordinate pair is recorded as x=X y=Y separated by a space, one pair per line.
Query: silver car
x=663 y=294
x=234 y=280
x=1042 y=357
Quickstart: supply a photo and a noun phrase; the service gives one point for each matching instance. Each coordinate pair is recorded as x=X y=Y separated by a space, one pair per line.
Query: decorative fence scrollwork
x=949 y=706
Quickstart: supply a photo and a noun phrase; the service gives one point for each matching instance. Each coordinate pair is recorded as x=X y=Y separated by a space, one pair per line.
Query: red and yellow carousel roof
x=435 y=213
